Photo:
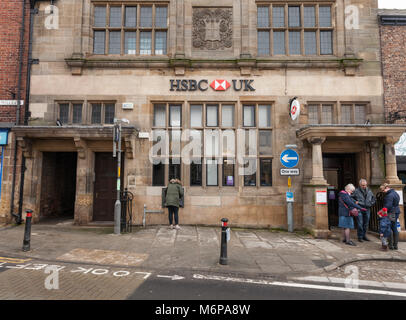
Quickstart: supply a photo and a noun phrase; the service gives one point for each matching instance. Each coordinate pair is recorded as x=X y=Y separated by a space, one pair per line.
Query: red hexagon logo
x=220 y=85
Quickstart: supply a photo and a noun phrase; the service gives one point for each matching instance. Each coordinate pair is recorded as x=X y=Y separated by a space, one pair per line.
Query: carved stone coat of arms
x=212 y=28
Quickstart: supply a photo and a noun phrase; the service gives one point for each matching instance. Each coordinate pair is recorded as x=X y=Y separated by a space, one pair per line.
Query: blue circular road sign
x=289 y=158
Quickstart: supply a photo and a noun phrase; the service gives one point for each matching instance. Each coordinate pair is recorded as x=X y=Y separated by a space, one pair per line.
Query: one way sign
x=289 y=158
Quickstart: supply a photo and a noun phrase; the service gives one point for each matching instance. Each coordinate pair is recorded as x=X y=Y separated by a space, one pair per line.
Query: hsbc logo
x=216 y=85
x=220 y=85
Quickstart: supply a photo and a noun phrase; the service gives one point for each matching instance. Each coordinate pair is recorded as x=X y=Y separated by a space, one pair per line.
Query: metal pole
x=117 y=205
x=27 y=231
x=290 y=209
x=223 y=250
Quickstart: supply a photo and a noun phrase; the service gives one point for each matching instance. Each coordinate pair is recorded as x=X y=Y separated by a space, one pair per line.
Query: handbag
x=353 y=212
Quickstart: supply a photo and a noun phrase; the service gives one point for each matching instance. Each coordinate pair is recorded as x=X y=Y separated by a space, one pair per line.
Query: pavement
x=253 y=252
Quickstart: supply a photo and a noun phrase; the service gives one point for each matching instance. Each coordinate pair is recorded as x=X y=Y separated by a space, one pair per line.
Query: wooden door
x=105 y=191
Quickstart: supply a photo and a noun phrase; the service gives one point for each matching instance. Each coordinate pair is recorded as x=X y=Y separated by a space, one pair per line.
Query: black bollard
x=223 y=252
x=27 y=233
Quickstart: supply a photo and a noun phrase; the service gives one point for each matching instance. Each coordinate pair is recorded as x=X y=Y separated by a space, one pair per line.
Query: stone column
x=180 y=34
x=317 y=160
x=390 y=161
x=377 y=168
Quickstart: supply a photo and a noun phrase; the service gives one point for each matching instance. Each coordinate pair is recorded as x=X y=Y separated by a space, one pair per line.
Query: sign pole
x=290 y=207
x=117 y=205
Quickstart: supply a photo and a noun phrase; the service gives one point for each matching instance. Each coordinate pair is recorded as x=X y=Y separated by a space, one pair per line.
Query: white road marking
x=175 y=277
x=301 y=285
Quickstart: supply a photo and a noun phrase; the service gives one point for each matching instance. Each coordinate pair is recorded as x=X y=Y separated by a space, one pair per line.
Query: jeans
x=173 y=211
x=394 y=237
x=363 y=222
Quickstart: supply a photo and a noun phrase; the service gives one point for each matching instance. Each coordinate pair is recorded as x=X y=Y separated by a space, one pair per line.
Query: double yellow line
x=13 y=260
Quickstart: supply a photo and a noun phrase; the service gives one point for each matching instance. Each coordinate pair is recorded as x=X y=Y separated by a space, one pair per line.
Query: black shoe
x=365 y=239
x=350 y=243
x=391 y=248
x=395 y=247
x=360 y=240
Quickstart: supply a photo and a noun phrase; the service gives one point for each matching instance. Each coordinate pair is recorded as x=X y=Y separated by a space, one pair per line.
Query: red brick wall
x=10 y=28
x=393 y=40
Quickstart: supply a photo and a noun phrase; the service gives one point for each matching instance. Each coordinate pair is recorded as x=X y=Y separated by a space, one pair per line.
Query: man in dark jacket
x=365 y=198
x=391 y=203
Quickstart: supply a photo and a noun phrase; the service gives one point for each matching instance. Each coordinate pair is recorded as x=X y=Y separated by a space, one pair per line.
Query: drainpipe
x=20 y=68
x=33 y=11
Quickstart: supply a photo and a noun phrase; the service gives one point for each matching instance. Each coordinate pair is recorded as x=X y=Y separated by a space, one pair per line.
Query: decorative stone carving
x=26 y=146
x=212 y=28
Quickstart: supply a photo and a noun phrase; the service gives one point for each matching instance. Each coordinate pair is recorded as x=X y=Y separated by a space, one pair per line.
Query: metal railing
x=373 y=220
x=149 y=211
x=126 y=198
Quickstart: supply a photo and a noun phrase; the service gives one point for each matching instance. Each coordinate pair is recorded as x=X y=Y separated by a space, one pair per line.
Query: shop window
x=102 y=113
x=70 y=112
x=300 y=29
x=258 y=145
x=130 y=29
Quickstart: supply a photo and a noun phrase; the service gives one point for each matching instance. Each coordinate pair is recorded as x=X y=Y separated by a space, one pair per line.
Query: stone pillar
x=180 y=34
x=317 y=160
x=315 y=215
x=84 y=183
x=377 y=169
x=390 y=161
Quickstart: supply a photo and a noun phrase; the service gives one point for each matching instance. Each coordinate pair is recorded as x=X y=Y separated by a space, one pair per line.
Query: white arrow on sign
x=286 y=158
x=175 y=277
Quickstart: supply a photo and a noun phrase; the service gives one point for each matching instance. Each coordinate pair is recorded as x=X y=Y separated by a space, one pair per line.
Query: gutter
x=20 y=67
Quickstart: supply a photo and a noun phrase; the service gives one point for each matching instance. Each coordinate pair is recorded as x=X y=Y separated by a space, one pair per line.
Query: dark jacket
x=366 y=199
x=385 y=227
x=349 y=202
x=173 y=194
x=391 y=202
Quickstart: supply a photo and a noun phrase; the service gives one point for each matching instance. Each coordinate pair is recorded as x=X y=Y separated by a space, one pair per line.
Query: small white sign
x=321 y=197
x=143 y=135
x=400 y=193
x=290 y=172
x=294 y=109
x=128 y=105
x=11 y=102
x=228 y=234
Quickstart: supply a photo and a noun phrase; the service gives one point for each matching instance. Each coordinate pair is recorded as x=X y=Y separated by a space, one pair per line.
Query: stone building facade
x=207 y=90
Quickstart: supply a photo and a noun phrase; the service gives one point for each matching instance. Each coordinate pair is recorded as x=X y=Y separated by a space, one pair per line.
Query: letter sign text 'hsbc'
x=216 y=85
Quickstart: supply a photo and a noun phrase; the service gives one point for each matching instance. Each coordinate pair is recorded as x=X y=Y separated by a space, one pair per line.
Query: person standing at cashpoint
x=174 y=194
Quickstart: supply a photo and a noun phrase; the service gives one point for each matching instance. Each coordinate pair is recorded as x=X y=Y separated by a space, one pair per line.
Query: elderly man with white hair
x=345 y=205
x=366 y=199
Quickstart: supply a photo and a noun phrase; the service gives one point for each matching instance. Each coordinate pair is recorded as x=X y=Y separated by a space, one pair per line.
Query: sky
x=392 y=4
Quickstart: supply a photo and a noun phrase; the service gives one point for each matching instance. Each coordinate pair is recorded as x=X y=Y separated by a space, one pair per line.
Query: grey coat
x=366 y=199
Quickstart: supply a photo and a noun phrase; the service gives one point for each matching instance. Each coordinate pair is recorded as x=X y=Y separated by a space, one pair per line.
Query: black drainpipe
x=33 y=11
x=20 y=67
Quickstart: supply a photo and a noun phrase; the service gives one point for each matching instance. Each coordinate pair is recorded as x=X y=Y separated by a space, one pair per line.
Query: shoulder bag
x=353 y=212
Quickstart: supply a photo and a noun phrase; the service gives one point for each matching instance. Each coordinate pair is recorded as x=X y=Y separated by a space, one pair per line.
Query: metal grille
x=294 y=16
x=325 y=17
x=77 y=113
x=309 y=17
x=278 y=17
x=115 y=17
x=161 y=17
x=130 y=16
x=263 y=17
x=146 y=17
x=160 y=42
x=294 y=42
x=310 y=43
x=279 y=42
x=263 y=42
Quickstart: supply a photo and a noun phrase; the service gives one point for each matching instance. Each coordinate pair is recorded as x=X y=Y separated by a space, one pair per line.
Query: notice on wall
x=400 y=193
x=321 y=196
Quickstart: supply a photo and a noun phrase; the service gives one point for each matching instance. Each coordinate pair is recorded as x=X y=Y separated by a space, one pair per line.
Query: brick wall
x=10 y=28
x=393 y=41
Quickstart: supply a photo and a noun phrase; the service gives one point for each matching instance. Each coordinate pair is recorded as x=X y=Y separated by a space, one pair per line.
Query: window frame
x=302 y=28
x=102 y=112
x=123 y=29
x=70 y=111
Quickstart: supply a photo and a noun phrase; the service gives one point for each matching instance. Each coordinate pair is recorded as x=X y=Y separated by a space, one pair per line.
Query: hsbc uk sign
x=216 y=85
